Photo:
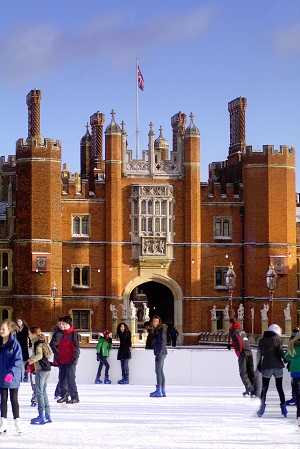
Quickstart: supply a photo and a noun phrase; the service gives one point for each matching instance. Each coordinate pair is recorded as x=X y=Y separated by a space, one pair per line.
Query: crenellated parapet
x=216 y=192
x=7 y=165
x=269 y=155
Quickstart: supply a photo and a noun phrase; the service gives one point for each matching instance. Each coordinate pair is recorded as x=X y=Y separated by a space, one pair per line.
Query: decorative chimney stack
x=237 y=109
x=97 y=121
x=33 y=100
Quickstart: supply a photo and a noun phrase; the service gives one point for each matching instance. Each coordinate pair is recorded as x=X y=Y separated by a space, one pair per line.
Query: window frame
x=223 y=270
x=81 y=225
x=81 y=269
x=219 y=228
x=80 y=312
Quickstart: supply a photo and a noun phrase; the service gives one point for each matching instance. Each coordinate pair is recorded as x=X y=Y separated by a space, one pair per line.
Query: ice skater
x=160 y=353
x=239 y=341
x=103 y=348
x=41 y=353
x=11 y=362
x=293 y=358
x=270 y=357
x=124 y=351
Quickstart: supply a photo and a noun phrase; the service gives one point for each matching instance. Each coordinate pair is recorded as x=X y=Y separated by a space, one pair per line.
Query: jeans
x=125 y=369
x=159 y=371
x=41 y=378
x=103 y=361
x=67 y=375
x=246 y=370
x=13 y=392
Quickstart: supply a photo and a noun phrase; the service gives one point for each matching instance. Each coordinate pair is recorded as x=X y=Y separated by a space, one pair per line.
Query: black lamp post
x=54 y=293
x=271 y=285
x=230 y=284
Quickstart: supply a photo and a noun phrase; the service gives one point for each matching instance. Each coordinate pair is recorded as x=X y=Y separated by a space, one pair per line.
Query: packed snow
x=190 y=417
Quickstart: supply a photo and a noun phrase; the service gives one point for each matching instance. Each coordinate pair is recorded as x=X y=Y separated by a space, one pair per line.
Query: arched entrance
x=159 y=299
x=164 y=297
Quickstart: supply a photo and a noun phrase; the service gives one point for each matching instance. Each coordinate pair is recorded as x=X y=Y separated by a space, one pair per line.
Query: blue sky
x=195 y=56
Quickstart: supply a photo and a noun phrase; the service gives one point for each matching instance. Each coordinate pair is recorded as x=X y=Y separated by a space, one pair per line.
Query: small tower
x=161 y=148
x=85 y=153
x=237 y=111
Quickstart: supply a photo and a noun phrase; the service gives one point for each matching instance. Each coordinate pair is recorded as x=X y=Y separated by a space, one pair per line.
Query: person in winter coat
x=240 y=343
x=103 y=347
x=41 y=353
x=149 y=340
x=270 y=357
x=160 y=353
x=174 y=335
x=56 y=336
x=23 y=339
x=124 y=351
x=11 y=362
x=293 y=357
x=292 y=401
x=68 y=353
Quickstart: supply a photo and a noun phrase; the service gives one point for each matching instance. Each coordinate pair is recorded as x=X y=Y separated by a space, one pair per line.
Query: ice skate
x=261 y=410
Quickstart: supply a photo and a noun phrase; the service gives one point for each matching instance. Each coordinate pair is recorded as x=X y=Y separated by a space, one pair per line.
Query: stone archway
x=167 y=282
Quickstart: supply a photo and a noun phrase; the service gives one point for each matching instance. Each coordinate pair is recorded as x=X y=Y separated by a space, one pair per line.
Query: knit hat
x=106 y=333
x=68 y=320
x=276 y=329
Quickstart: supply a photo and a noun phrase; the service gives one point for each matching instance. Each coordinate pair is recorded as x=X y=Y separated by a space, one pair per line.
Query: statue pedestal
x=264 y=325
x=114 y=327
x=288 y=327
x=226 y=325
x=241 y=323
x=135 y=338
x=214 y=324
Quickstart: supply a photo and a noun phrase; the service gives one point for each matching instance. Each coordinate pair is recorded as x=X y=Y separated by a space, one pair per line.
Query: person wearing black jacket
x=124 y=351
x=160 y=353
x=23 y=339
x=56 y=336
x=270 y=355
x=149 y=340
x=239 y=341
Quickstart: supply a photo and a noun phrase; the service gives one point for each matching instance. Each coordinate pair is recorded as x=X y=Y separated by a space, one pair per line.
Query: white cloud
x=287 y=40
x=26 y=52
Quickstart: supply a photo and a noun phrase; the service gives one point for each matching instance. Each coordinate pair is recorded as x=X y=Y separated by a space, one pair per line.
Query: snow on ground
x=124 y=416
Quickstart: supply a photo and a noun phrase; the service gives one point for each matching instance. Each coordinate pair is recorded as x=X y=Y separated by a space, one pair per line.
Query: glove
x=98 y=357
x=8 y=378
x=54 y=363
x=229 y=347
x=30 y=369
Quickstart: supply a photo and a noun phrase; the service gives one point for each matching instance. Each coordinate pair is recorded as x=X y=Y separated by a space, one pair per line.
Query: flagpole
x=137 y=112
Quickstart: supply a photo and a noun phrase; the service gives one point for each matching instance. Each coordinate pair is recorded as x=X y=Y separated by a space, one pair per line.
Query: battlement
x=10 y=162
x=214 y=191
x=269 y=150
x=36 y=142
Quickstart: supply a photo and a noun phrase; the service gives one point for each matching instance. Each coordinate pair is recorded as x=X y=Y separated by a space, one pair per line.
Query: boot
x=157 y=393
x=283 y=410
x=121 y=381
x=18 y=427
x=153 y=392
x=3 y=427
x=48 y=417
x=163 y=392
x=261 y=410
x=107 y=381
x=291 y=401
x=73 y=401
x=98 y=380
x=62 y=400
x=41 y=419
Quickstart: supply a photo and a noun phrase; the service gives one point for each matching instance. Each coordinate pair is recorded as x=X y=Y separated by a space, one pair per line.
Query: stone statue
x=146 y=312
x=124 y=312
x=264 y=312
x=133 y=311
x=213 y=313
x=241 y=312
x=114 y=312
x=226 y=313
x=287 y=312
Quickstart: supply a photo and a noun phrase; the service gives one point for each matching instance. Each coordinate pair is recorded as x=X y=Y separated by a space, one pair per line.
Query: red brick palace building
x=145 y=230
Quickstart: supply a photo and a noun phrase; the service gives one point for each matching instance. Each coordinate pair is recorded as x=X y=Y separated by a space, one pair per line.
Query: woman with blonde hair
x=160 y=353
x=10 y=373
x=293 y=356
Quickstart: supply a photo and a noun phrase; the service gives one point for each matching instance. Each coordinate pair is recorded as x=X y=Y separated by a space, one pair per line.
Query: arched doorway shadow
x=169 y=291
x=159 y=299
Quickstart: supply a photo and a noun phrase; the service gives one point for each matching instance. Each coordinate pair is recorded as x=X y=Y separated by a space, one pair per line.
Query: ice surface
x=124 y=416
